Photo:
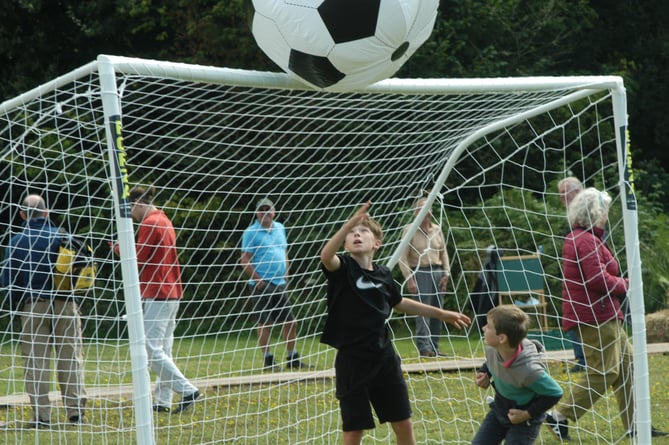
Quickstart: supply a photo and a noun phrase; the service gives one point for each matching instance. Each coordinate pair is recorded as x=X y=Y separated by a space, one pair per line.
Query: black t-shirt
x=359 y=304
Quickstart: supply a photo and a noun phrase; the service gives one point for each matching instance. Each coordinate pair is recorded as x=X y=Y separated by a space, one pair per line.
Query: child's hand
x=456 y=319
x=517 y=416
x=361 y=214
x=482 y=380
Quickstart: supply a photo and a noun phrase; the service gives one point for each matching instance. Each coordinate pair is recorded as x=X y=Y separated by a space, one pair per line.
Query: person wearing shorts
x=360 y=298
x=271 y=305
x=265 y=261
x=363 y=384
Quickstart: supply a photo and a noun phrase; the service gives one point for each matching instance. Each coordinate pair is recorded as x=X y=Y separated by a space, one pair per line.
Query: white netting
x=212 y=149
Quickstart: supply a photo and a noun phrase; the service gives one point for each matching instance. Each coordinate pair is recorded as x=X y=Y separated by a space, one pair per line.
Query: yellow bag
x=75 y=269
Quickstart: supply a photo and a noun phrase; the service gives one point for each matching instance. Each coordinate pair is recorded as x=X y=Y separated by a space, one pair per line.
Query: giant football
x=340 y=45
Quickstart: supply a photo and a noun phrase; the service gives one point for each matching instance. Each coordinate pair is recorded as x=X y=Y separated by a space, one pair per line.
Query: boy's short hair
x=374 y=226
x=511 y=321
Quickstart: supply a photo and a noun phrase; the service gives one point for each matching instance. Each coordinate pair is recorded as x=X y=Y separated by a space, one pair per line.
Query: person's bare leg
x=290 y=334
x=263 y=338
x=404 y=432
x=352 y=437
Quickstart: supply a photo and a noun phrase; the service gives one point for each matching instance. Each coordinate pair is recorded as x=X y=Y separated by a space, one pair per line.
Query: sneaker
x=294 y=362
x=76 y=419
x=430 y=354
x=41 y=424
x=161 y=409
x=653 y=432
x=657 y=433
x=559 y=429
x=270 y=364
x=186 y=402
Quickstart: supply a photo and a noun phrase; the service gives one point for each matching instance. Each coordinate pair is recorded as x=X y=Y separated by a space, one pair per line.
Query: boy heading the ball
x=361 y=296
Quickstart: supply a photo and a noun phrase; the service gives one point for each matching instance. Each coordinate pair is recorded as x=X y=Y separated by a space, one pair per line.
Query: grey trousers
x=428 y=330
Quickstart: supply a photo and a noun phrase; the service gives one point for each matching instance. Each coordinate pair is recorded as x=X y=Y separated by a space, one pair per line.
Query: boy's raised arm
x=329 y=251
x=412 y=307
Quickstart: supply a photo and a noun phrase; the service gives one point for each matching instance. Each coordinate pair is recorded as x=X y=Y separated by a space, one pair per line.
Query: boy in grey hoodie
x=524 y=391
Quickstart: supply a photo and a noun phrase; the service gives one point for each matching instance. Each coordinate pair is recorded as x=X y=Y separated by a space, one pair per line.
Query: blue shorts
x=363 y=384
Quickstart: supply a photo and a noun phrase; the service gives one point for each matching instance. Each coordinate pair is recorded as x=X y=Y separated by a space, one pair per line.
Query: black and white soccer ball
x=340 y=45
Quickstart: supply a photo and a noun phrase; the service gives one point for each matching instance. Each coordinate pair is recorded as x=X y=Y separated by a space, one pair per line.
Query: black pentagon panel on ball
x=348 y=20
x=316 y=70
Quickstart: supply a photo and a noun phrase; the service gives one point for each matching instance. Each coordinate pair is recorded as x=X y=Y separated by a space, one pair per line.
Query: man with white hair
x=47 y=317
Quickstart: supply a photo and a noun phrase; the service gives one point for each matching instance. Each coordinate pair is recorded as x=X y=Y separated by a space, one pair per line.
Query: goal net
x=487 y=154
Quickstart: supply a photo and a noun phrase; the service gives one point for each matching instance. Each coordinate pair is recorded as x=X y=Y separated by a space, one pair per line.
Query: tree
x=485 y=38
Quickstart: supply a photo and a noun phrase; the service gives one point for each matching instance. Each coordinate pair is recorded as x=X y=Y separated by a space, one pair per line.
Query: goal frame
x=107 y=67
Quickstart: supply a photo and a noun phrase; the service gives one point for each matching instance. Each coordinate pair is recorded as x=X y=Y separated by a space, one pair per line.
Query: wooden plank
x=425 y=365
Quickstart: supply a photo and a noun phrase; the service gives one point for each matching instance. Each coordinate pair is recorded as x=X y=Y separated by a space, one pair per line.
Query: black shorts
x=363 y=384
x=271 y=304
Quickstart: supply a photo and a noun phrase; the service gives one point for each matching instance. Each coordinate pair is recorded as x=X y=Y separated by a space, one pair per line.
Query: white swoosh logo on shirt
x=362 y=284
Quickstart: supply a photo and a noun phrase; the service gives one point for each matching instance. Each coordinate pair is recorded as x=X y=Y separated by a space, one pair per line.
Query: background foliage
x=42 y=39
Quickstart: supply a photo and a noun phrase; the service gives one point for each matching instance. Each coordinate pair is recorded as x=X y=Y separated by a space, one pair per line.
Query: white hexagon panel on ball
x=341 y=45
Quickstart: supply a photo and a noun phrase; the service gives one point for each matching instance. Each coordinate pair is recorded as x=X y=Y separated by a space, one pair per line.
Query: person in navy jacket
x=49 y=319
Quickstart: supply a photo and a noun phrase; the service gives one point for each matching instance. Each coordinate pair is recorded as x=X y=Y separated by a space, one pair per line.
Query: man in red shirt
x=161 y=291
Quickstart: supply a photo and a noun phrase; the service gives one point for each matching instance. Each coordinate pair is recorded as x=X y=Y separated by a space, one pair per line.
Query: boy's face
x=490 y=335
x=361 y=239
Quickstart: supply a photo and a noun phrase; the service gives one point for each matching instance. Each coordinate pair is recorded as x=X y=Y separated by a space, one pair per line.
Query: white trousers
x=159 y=325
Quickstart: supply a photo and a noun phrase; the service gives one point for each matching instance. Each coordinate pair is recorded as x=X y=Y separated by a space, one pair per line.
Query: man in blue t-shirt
x=265 y=261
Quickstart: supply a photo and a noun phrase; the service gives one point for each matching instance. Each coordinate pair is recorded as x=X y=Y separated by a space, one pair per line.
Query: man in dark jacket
x=47 y=318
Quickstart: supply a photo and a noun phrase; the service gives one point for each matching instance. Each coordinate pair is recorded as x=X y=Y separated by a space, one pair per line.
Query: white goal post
x=487 y=154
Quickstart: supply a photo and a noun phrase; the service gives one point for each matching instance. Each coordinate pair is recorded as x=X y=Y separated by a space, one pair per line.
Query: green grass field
x=447 y=405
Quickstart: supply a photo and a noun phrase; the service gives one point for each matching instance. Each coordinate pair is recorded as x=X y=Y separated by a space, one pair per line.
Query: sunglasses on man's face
x=264 y=208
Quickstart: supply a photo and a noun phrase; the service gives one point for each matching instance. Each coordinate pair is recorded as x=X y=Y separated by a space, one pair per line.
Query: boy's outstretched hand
x=413 y=307
x=361 y=214
x=456 y=319
x=329 y=257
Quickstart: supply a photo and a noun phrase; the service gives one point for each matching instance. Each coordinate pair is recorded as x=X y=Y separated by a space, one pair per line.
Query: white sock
x=557 y=415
